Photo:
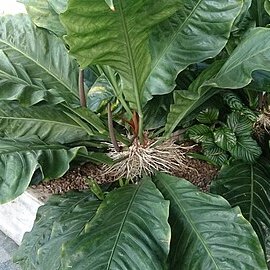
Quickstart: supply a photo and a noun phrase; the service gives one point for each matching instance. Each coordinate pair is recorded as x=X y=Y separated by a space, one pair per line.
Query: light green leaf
x=44 y=15
x=58 y=5
x=208 y=116
x=206 y=232
x=120 y=38
x=250 y=55
x=110 y=4
x=59 y=220
x=199 y=133
x=245 y=149
x=35 y=65
x=247 y=186
x=20 y=158
x=129 y=231
x=224 y=136
x=199 y=30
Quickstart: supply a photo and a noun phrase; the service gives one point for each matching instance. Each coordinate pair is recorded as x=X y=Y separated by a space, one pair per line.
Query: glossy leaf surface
x=206 y=232
x=49 y=123
x=250 y=55
x=20 y=158
x=129 y=231
x=186 y=101
x=199 y=30
x=35 y=65
x=247 y=186
x=45 y=15
x=120 y=38
x=62 y=218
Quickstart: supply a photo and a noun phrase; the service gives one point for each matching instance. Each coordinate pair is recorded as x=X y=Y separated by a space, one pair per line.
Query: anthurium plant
x=111 y=82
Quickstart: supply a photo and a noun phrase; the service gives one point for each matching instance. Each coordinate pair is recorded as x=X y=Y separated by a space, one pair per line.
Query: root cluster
x=137 y=160
x=264 y=121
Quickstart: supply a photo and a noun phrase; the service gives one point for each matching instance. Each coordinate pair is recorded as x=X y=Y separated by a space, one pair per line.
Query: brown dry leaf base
x=199 y=173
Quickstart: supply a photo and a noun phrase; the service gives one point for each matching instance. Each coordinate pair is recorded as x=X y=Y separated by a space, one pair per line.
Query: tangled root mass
x=137 y=160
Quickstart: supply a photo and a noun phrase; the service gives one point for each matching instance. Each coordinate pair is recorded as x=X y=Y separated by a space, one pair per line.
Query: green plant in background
x=230 y=137
x=134 y=55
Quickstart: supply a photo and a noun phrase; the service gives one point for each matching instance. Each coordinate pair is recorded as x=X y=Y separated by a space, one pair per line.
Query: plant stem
x=81 y=89
x=111 y=130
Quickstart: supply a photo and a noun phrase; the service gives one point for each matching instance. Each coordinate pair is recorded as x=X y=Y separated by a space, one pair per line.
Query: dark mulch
x=199 y=173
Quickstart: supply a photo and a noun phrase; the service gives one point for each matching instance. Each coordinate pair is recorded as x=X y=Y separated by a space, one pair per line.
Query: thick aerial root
x=138 y=160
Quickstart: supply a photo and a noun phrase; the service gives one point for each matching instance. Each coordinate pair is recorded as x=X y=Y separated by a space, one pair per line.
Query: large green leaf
x=49 y=123
x=199 y=30
x=20 y=158
x=248 y=186
x=35 y=65
x=250 y=55
x=60 y=219
x=186 y=101
x=206 y=232
x=129 y=231
x=120 y=38
x=45 y=15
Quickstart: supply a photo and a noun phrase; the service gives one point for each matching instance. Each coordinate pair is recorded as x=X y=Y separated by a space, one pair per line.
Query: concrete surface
x=7 y=249
x=17 y=217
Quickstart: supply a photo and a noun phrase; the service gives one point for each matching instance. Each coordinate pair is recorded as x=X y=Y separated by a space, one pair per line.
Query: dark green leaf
x=20 y=158
x=248 y=186
x=199 y=133
x=35 y=65
x=245 y=149
x=129 y=231
x=239 y=124
x=100 y=94
x=186 y=101
x=208 y=116
x=156 y=111
x=217 y=155
x=232 y=100
x=62 y=218
x=190 y=36
x=47 y=122
x=206 y=232
x=250 y=55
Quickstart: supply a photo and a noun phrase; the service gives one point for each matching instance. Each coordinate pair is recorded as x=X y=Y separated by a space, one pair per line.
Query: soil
x=198 y=172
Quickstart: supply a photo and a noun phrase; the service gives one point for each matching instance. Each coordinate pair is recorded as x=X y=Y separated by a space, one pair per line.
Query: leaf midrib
x=35 y=147
x=131 y=61
x=189 y=220
x=39 y=120
x=121 y=226
x=173 y=38
x=38 y=64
